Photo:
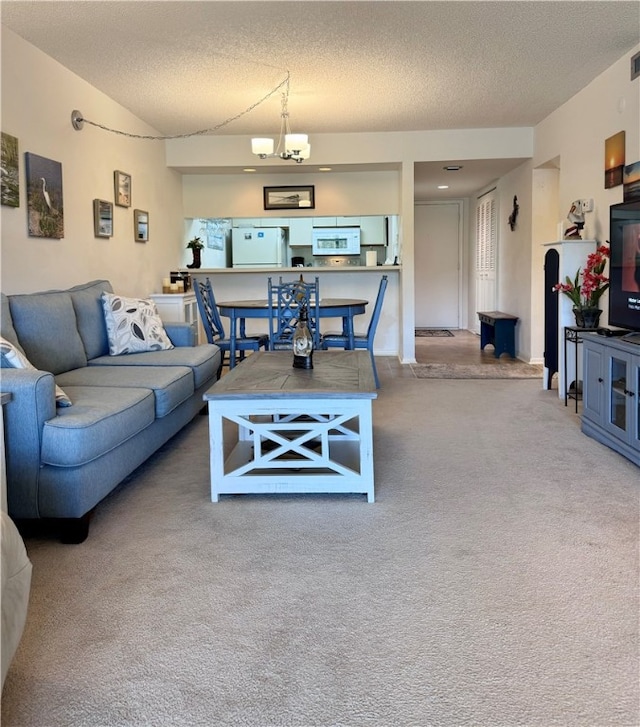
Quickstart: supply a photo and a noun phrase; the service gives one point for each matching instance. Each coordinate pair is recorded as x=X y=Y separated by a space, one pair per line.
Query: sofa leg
x=75 y=530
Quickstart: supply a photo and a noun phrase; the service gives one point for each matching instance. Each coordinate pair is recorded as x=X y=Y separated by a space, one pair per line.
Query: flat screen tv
x=624 y=266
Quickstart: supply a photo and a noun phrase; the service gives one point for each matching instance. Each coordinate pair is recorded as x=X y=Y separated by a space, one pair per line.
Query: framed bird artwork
x=122 y=188
x=45 y=212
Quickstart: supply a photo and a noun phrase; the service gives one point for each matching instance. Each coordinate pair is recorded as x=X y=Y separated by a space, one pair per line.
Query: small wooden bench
x=498 y=329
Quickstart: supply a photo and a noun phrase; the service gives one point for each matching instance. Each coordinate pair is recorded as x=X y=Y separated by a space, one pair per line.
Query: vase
x=587 y=317
x=196 y=258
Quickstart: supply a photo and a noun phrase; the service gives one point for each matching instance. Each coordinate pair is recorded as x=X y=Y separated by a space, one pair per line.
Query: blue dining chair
x=361 y=340
x=214 y=330
x=284 y=300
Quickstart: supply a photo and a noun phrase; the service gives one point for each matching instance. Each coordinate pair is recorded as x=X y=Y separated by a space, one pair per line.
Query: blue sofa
x=62 y=461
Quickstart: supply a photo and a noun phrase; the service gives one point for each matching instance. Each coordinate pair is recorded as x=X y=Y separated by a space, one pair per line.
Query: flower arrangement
x=195 y=244
x=587 y=294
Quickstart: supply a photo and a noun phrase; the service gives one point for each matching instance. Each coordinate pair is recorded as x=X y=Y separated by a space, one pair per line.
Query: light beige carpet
x=493 y=583
x=498 y=370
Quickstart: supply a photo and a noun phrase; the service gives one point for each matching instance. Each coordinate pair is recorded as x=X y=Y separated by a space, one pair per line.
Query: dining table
x=239 y=310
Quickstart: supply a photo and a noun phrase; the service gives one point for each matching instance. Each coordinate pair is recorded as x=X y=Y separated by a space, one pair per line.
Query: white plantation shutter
x=486 y=253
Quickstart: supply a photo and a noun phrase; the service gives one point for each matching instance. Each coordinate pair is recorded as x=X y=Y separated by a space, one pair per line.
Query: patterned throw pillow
x=133 y=325
x=17 y=360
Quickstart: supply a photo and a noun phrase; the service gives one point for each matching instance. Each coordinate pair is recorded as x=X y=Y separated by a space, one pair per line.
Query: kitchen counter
x=310 y=271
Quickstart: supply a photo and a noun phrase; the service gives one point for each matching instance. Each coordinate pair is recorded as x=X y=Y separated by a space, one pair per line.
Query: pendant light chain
x=77 y=119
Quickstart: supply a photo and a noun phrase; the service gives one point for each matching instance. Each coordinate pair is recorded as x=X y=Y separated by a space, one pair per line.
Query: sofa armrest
x=33 y=402
x=182 y=334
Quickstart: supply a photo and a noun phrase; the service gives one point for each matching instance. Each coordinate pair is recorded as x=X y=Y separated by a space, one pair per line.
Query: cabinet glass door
x=618 y=410
x=635 y=369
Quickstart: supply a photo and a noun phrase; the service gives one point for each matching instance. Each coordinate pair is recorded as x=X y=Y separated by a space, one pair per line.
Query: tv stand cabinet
x=611 y=411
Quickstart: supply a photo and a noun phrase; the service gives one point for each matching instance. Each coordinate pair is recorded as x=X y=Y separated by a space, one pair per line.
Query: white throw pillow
x=17 y=360
x=133 y=325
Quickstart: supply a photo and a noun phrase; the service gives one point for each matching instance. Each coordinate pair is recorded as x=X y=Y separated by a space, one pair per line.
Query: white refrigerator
x=258 y=247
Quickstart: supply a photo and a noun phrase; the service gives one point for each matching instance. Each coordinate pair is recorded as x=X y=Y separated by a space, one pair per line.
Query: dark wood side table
x=572 y=334
x=498 y=329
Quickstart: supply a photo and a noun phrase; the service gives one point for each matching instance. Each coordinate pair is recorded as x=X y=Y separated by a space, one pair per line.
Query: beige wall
x=241 y=195
x=569 y=164
x=38 y=96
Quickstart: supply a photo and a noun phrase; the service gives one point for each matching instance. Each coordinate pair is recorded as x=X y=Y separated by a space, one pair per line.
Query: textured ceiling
x=355 y=66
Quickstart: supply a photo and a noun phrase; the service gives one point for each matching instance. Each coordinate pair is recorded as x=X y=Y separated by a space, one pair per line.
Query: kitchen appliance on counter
x=258 y=247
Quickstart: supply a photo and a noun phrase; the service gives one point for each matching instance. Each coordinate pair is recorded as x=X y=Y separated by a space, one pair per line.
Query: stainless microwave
x=336 y=241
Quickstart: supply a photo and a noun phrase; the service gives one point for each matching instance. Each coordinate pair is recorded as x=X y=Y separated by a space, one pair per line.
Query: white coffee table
x=293 y=430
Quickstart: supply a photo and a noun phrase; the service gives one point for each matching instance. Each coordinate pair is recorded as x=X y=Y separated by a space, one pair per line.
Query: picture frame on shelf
x=141 y=225
x=102 y=218
x=122 y=188
x=289 y=198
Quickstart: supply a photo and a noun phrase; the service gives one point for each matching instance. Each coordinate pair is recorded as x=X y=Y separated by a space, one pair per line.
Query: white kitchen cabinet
x=247 y=222
x=300 y=231
x=274 y=222
x=324 y=221
x=372 y=230
x=347 y=221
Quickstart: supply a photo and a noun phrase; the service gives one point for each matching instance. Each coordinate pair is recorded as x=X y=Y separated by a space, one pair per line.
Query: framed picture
x=141 y=225
x=289 y=198
x=10 y=186
x=614 y=155
x=631 y=179
x=45 y=214
x=102 y=218
x=122 y=188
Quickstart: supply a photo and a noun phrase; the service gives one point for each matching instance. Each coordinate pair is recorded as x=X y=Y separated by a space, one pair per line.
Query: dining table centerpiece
x=587 y=287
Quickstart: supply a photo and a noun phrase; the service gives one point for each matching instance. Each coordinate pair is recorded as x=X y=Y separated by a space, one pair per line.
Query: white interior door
x=438 y=252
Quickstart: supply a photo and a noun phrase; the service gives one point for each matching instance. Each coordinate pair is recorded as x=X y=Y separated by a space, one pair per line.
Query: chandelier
x=295 y=147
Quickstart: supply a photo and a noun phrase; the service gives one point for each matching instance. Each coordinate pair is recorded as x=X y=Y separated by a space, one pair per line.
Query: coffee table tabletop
x=270 y=374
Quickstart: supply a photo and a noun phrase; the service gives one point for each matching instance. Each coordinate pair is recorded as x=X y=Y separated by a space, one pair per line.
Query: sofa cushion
x=47 y=330
x=6 y=323
x=171 y=385
x=87 y=303
x=133 y=325
x=17 y=360
x=204 y=360
x=100 y=420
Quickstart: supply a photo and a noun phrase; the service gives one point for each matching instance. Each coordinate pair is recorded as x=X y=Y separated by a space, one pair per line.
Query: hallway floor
x=462 y=348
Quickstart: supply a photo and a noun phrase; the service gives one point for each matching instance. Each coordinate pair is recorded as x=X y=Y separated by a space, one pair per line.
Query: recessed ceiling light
x=453 y=167
x=248 y=169
x=443 y=186
x=324 y=169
